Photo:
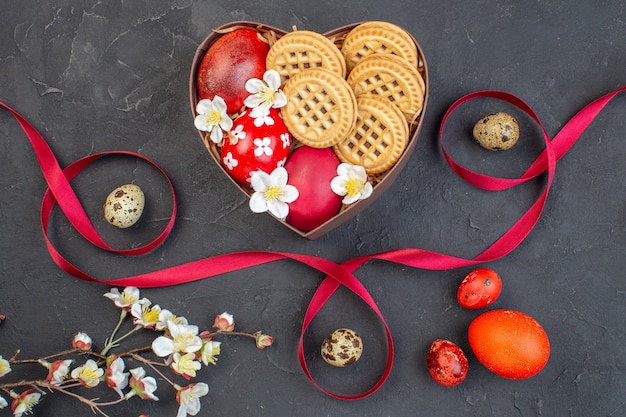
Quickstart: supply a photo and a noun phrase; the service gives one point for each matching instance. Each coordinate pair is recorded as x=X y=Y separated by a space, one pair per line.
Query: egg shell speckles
x=342 y=348
x=124 y=205
x=496 y=132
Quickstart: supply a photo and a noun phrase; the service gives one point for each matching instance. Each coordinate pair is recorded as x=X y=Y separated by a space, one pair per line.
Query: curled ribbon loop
x=60 y=192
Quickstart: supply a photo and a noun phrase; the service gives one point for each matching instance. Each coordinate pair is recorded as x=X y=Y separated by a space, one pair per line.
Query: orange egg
x=509 y=343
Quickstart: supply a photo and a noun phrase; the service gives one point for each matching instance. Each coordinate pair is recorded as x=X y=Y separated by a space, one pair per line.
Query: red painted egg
x=479 y=288
x=255 y=144
x=311 y=170
x=446 y=363
x=233 y=59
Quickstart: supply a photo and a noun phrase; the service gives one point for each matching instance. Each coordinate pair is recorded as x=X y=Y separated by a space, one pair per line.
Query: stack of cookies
x=358 y=95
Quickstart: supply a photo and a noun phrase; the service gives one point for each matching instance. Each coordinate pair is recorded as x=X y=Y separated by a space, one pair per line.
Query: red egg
x=231 y=60
x=311 y=170
x=446 y=363
x=255 y=144
x=479 y=288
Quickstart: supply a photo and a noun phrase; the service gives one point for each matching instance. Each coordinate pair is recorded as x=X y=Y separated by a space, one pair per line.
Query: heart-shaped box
x=381 y=182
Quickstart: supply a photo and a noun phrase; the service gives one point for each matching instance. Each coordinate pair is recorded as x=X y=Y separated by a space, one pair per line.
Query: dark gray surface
x=95 y=76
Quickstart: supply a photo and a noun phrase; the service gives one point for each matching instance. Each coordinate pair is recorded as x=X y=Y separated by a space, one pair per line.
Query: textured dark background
x=105 y=75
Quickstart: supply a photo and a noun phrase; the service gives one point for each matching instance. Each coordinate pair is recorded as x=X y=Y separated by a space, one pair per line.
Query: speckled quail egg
x=342 y=347
x=124 y=205
x=496 y=131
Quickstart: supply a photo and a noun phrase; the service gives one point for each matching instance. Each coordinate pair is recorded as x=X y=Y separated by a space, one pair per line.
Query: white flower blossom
x=188 y=399
x=89 y=374
x=145 y=314
x=116 y=377
x=182 y=338
x=125 y=299
x=141 y=385
x=25 y=402
x=351 y=182
x=185 y=365
x=212 y=117
x=209 y=351
x=265 y=93
x=3 y=403
x=57 y=370
x=5 y=366
x=271 y=192
x=165 y=316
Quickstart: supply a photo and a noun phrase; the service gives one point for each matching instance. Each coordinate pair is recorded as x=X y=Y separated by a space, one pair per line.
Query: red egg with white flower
x=258 y=141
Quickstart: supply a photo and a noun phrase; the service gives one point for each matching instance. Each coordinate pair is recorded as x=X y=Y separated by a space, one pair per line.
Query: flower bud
x=82 y=341
x=263 y=340
x=224 y=322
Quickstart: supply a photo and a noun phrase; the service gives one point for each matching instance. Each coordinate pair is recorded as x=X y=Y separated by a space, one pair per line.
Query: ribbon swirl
x=60 y=192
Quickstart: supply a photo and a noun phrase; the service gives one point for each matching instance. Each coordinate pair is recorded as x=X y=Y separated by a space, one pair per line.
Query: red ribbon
x=60 y=192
